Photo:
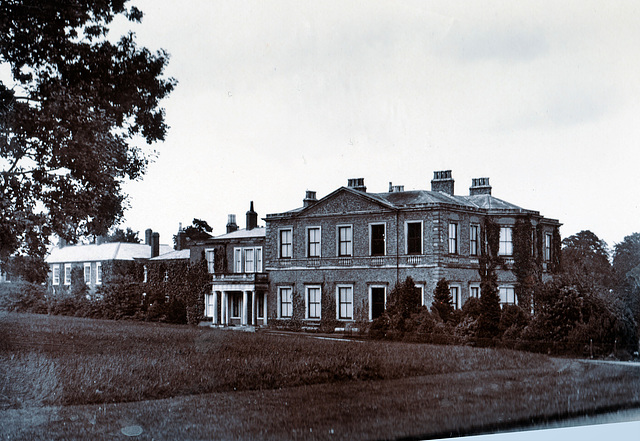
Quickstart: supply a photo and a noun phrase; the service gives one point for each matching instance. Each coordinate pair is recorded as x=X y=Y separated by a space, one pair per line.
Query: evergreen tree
x=488 y=323
x=442 y=300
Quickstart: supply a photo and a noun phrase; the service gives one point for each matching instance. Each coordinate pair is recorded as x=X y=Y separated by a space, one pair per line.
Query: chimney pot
x=357 y=184
x=309 y=199
x=155 y=245
x=479 y=186
x=147 y=236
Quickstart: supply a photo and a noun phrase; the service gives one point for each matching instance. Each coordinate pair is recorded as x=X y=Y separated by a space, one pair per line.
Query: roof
x=243 y=234
x=102 y=252
x=174 y=255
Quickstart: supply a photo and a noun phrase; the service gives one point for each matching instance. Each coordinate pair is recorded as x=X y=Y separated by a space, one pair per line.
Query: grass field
x=78 y=378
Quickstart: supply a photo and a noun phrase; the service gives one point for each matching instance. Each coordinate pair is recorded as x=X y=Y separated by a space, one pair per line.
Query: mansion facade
x=337 y=258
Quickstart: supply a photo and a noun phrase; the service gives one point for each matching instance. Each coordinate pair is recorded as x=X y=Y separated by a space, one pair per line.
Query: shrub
x=23 y=297
x=442 y=300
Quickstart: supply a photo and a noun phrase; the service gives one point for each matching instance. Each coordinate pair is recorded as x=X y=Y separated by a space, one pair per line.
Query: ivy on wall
x=489 y=261
x=525 y=265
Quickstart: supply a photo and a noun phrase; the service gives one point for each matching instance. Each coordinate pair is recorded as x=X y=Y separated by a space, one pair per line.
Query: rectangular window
x=56 y=274
x=474 y=291
x=506 y=244
x=87 y=273
x=235 y=305
x=314 y=301
x=67 y=274
x=474 y=239
x=210 y=256
x=547 y=247
x=286 y=244
x=377 y=239
x=249 y=261
x=453 y=238
x=286 y=301
x=237 y=260
x=455 y=295
x=345 y=241
x=98 y=273
x=414 y=237
x=259 y=259
x=377 y=301
x=313 y=242
x=507 y=295
x=260 y=305
x=145 y=274
x=345 y=302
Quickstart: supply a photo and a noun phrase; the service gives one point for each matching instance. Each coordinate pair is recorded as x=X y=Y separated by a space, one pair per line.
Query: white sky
x=279 y=97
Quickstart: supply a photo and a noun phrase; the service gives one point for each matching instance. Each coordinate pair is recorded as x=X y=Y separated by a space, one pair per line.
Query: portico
x=238 y=299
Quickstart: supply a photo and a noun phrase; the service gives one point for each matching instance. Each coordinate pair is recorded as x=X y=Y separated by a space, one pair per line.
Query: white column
x=245 y=307
x=215 y=307
x=264 y=310
x=223 y=309
x=254 y=308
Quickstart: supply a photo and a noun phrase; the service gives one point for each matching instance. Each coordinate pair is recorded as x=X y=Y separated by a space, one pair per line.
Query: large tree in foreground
x=76 y=103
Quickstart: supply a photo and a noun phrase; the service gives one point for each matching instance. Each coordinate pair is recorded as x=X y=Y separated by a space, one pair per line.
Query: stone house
x=337 y=258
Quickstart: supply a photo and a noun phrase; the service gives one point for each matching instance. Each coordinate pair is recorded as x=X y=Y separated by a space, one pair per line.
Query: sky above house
x=279 y=97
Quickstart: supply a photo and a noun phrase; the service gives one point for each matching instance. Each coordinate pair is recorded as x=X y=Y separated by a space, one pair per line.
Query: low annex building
x=342 y=254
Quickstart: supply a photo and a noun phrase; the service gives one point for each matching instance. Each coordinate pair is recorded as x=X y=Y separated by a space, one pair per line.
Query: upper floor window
x=474 y=239
x=247 y=260
x=98 y=273
x=345 y=241
x=547 y=246
x=453 y=238
x=377 y=237
x=87 y=273
x=414 y=237
x=210 y=256
x=506 y=243
x=56 y=274
x=67 y=274
x=313 y=242
x=286 y=244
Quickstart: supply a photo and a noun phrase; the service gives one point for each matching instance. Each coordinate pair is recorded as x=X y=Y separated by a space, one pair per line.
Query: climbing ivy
x=525 y=266
x=489 y=261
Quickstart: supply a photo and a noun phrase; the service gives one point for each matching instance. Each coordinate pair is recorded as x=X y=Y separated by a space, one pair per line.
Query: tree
x=585 y=260
x=488 y=322
x=626 y=266
x=70 y=118
x=198 y=230
x=442 y=300
x=120 y=235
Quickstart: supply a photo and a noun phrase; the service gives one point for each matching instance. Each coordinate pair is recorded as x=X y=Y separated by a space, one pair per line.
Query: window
x=247 y=260
x=87 y=273
x=98 y=273
x=547 y=247
x=455 y=295
x=345 y=241
x=474 y=291
x=314 y=306
x=377 y=298
x=377 y=237
x=166 y=276
x=313 y=242
x=285 y=295
x=286 y=244
x=235 y=305
x=507 y=295
x=210 y=256
x=145 y=274
x=67 y=274
x=345 y=302
x=56 y=274
x=506 y=245
x=258 y=259
x=474 y=239
x=209 y=310
x=414 y=237
x=453 y=238
x=237 y=260
x=260 y=305
x=420 y=288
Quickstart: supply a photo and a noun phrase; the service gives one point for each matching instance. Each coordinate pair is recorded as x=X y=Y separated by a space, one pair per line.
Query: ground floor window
x=455 y=295
x=474 y=291
x=285 y=298
x=314 y=296
x=345 y=302
x=260 y=305
x=377 y=298
x=507 y=295
x=235 y=305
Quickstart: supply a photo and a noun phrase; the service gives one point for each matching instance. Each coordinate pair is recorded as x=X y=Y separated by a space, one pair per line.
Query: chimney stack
x=309 y=199
x=231 y=224
x=155 y=245
x=442 y=181
x=147 y=236
x=357 y=184
x=181 y=238
x=252 y=218
x=395 y=188
x=479 y=186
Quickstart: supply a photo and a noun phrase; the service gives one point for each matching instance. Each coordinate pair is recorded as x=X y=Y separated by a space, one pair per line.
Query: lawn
x=66 y=377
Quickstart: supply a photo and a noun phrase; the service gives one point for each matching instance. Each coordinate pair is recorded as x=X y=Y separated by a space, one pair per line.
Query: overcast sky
x=276 y=98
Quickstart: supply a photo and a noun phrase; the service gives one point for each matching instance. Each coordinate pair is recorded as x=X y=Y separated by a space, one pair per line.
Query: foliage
x=31 y=269
x=586 y=260
x=23 y=296
x=70 y=119
x=328 y=320
x=442 y=300
x=488 y=262
x=525 y=266
x=198 y=230
x=120 y=235
x=403 y=307
x=626 y=266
